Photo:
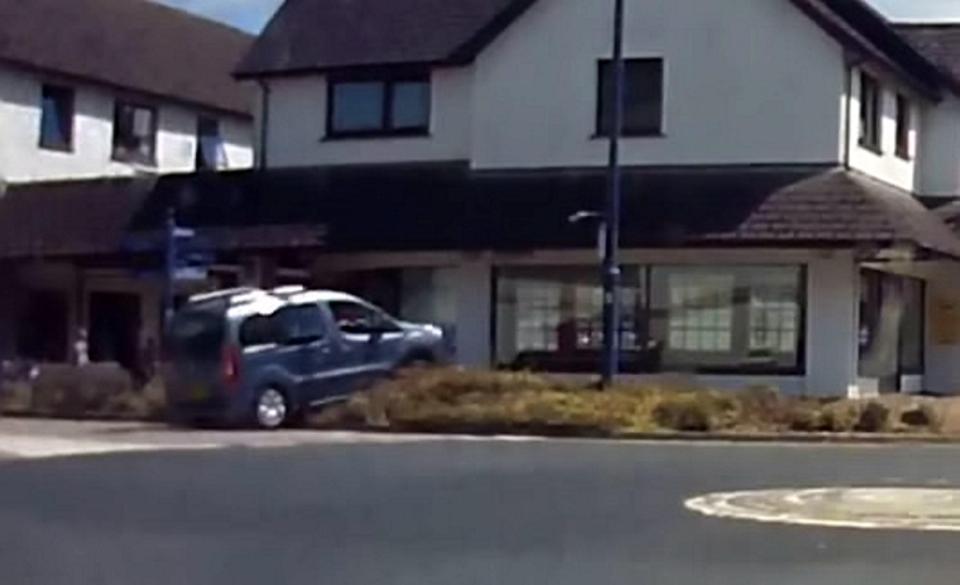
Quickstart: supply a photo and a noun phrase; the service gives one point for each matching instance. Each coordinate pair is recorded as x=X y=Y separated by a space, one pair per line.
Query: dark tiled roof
x=444 y=207
x=311 y=35
x=324 y=34
x=939 y=42
x=70 y=218
x=132 y=44
x=438 y=207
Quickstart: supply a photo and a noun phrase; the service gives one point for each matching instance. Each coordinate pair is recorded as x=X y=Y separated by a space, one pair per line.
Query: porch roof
x=432 y=207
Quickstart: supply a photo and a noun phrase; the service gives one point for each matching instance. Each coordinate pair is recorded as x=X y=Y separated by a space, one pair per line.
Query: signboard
x=190 y=274
x=945 y=320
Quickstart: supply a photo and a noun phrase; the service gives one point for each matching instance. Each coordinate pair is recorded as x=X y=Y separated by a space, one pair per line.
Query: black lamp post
x=611 y=217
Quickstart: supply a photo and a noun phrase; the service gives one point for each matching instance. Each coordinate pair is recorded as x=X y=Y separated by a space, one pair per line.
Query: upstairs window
x=904 y=126
x=134 y=133
x=643 y=98
x=871 y=112
x=56 y=118
x=210 y=154
x=358 y=107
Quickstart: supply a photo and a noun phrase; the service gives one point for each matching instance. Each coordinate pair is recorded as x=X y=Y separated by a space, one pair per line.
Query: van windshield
x=197 y=334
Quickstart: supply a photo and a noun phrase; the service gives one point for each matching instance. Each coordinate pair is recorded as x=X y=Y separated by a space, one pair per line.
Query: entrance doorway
x=115 y=328
x=892 y=319
x=42 y=329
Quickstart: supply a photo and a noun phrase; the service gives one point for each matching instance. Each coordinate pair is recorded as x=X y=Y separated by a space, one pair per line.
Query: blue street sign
x=190 y=273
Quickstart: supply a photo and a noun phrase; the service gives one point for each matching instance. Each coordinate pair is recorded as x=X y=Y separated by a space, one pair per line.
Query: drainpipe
x=264 y=123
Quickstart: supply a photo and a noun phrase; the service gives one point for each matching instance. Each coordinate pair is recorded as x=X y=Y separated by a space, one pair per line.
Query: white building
x=96 y=96
x=774 y=152
x=95 y=88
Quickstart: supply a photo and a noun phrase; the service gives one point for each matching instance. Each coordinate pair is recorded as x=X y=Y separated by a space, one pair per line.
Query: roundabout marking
x=865 y=508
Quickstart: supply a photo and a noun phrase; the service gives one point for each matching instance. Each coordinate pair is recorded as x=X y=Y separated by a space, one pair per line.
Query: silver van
x=263 y=358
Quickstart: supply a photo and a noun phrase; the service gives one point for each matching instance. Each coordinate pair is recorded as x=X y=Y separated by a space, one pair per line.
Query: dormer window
x=378 y=106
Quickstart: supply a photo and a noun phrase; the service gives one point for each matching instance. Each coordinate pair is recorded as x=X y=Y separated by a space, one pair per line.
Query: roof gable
x=311 y=35
x=316 y=35
x=132 y=44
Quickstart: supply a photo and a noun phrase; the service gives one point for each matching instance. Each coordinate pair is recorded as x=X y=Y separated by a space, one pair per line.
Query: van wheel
x=271 y=409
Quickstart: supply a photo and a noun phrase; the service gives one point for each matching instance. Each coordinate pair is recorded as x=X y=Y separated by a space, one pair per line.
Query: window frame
x=871 y=113
x=388 y=323
x=70 y=94
x=135 y=158
x=389 y=81
x=904 y=126
x=199 y=158
x=649 y=312
x=602 y=103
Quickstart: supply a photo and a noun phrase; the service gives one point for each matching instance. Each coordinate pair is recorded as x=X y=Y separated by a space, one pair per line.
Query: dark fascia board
x=370 y=68
x=928 y=84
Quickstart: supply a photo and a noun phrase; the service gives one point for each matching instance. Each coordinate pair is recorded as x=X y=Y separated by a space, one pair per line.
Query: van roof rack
x=285 y=291
x=225 y=294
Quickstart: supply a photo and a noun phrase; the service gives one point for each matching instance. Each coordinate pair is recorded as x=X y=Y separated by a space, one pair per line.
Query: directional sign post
x=181 y=262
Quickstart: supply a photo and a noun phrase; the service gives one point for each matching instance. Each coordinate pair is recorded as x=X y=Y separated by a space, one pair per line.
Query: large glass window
x=673 y=318
x=552 y=319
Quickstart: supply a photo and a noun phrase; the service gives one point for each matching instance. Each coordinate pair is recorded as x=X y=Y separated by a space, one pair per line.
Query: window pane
x=56 y=119
x=870 y=111
x=643 y=97
x=209 y=153
x=732 y=317
x=355 y=318
x=357 y=106
x=411 y=105
x=912 y=330
x=300 y=322
x=552 y=319
x=903 y=127
x=134 y=133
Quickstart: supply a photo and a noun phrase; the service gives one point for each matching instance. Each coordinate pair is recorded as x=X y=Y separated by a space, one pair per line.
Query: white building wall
x=833 y=294
x=298 y=118
x=22 y=159
x=885 y=165
x=939 y=162
x=746 y=81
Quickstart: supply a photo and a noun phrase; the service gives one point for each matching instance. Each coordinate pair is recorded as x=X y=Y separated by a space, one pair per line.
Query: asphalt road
x=454 y=513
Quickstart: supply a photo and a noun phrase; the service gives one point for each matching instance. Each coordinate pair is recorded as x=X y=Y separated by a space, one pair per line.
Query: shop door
x=892 y=314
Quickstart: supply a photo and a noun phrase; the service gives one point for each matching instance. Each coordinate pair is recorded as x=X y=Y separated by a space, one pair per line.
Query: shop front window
x=673 y=318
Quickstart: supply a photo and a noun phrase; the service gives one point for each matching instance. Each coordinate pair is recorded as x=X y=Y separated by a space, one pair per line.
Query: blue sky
x=252 y=14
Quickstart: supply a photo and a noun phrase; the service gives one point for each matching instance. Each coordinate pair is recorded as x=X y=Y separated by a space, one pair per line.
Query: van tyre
x=271 y=409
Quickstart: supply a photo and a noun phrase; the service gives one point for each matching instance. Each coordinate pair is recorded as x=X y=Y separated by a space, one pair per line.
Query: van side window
x=299 y=324
x=258 y=330
x=359 y=319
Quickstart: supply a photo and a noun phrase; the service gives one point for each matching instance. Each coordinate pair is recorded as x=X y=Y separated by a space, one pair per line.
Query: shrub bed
x=449 y=400
x=90 y=391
